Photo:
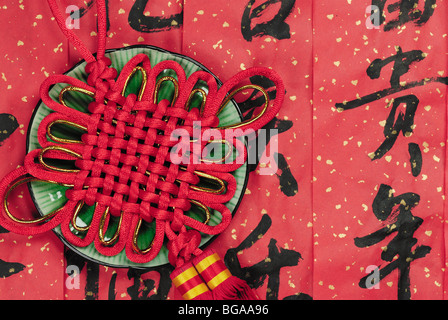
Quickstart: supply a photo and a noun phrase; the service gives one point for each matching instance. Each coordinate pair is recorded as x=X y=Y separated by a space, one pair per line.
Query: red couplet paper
x=355 y=208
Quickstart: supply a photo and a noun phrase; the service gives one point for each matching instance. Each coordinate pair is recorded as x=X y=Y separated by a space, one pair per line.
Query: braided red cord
x=124 y=161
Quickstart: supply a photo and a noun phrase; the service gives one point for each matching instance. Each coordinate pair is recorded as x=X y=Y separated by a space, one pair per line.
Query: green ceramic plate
x=48 y=197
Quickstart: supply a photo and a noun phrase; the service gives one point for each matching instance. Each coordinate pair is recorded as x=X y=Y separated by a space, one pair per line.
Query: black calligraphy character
x=142 y=23
x=288 y=184
x=144 y=284
x=377 y=95
x=112 y=294
x=401 y=64
x=394 y=125
x=276 y=27
x=407 y=11
x=395 y=212
x=269 y=267
x=404 y=122
x=257 y=144
x=8 y=124
x=415 y=158
x=396 y=122
x=9 y=268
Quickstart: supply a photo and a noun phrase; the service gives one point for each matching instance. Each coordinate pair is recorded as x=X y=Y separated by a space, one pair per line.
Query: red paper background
x=323 y=61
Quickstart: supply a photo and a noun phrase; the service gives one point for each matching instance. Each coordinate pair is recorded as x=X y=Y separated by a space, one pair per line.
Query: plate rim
x=27 y=146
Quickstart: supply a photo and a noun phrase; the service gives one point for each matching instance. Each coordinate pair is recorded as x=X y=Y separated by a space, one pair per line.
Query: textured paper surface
x=304 y=232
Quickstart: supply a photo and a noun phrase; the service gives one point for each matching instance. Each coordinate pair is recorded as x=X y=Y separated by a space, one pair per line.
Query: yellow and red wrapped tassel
x=190 y=284
x=223 y=285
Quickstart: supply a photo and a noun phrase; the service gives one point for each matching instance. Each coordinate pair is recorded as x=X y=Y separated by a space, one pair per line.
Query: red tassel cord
x=222 y=283
x=189 y=284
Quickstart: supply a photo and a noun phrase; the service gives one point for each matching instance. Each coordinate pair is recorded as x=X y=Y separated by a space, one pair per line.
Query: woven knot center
x=126 y=163
x=101 y=76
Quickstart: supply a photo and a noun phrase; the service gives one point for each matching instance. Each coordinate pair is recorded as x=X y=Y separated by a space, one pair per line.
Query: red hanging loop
x=123 y=165
x=72 y=37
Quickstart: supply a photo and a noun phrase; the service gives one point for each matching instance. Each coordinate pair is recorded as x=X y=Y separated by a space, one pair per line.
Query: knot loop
x=184 y=247
x=101 y=76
